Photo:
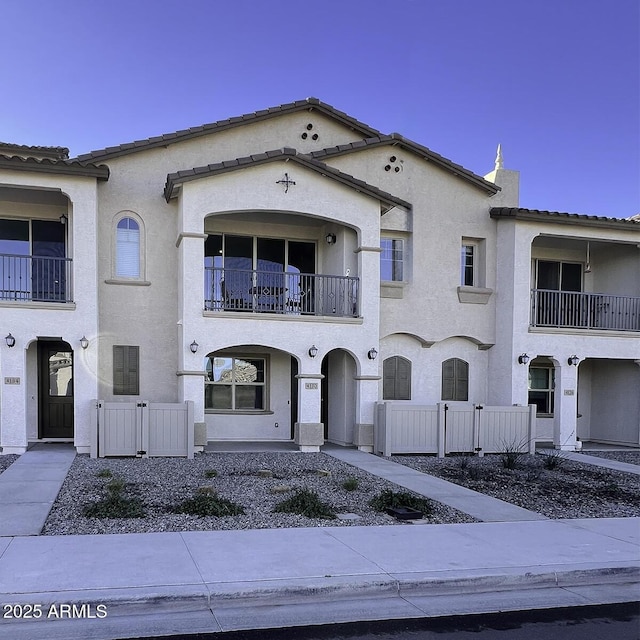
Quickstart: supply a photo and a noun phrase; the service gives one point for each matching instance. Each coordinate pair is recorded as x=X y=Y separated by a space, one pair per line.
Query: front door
x=55 y=389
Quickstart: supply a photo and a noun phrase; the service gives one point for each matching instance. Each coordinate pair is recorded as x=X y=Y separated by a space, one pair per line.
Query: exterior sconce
x=194 y=346
x=313 y=351
x=63 y=218
x=10 y=340
x=372 y=354
x=523 y=359
x=84 y=343
x=573 y=361
x=331 y=238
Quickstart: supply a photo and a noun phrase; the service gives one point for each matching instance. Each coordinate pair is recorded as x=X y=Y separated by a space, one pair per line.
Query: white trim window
x=235 y=383
x=127 y=248
x=392 y=260
x=468 y=265
x=541 y=389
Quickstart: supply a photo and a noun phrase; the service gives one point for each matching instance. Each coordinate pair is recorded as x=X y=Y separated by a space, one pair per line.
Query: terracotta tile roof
x=395 y=139
x=48 y=165
x=564 y=218
x=175 y=179
x=310 y=104
x=55 y=153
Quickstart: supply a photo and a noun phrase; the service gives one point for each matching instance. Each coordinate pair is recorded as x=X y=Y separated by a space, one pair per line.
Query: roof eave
x=59 y=167
x=557 y=217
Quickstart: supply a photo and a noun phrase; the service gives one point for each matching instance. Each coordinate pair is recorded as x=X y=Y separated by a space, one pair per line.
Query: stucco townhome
x=288 y=270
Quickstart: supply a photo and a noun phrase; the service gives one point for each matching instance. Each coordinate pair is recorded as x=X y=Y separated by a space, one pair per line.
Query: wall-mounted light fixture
x=194 y=347
x=84 y=343
x=313 y=351
x=10 y=340
x=372 y=354
x=331 y=238
x=573 y=360
x=523 y=359
x=63 y=218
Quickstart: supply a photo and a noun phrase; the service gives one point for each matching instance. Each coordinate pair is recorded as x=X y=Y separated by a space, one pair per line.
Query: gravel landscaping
x=256 y=481
x=571 y=490
x=7 y=461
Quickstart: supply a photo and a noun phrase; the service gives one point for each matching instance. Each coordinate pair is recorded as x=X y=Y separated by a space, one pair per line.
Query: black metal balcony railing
x=578 y=310
x=35 y=278
x=280 y=292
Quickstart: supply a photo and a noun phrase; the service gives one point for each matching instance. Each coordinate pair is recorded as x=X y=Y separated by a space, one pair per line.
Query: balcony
x=35 y=279
x=280 y=292
x=576 y=310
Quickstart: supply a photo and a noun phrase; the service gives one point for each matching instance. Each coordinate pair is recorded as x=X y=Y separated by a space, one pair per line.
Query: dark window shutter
x=455 y=379
x=126 y=370
x=396 y=379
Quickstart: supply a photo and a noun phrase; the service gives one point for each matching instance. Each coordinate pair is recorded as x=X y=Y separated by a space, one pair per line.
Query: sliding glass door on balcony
x=558 y=301
x=33 y=262
x=272 y=275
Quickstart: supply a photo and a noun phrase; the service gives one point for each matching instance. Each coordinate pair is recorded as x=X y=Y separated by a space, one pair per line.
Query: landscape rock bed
x=572 y=490
x=7 y=461
x=162 y=483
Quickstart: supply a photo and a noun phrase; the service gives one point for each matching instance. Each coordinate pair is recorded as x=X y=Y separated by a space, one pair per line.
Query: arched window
x=128 y=248
x=396 y=378
x=455 y=380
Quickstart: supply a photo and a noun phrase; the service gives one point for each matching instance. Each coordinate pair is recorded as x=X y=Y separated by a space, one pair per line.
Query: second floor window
x=128 y=248
x=467 y=265
x=392 y=260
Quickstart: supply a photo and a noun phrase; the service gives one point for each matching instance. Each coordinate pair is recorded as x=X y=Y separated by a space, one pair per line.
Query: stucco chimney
x=507 y=180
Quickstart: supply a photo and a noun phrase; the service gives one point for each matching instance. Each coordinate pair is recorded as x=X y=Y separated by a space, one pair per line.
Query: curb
x=204 y=597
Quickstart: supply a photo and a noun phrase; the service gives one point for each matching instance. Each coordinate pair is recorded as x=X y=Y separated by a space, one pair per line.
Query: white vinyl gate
x=143 y=429
x=444 y=428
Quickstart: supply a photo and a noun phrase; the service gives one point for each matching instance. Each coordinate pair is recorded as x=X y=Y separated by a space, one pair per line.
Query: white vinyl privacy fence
x=143 y=429
x=444 y=428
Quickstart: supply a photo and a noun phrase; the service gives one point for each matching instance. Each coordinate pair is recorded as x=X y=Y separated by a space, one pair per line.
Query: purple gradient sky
x=557 y=82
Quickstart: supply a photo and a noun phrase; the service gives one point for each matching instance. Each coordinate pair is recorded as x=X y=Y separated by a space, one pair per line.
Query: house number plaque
x=310 y=385
x=12 y=380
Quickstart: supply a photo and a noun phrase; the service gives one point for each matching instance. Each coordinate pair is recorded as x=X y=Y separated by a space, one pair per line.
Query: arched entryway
x=338 y=410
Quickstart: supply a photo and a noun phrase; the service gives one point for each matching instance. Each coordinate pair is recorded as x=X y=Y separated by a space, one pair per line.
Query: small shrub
x=350 y=484
x=104 y=473
x=306 y=503
x=511 y=455
x=211 y=473
x=553 y=460
x=463 y=462
x=388 y=499
x=206 y=502
x=115 y=505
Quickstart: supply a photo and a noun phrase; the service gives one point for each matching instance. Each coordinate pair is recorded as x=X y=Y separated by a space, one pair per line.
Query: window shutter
x=126 y=370
x=462 y=380
x=389 y=379
x=396 y=379
x=448 y=380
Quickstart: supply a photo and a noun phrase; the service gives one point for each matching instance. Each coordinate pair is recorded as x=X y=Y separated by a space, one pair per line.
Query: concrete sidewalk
x=29 y=487
x=198 y=582
x=224 y=580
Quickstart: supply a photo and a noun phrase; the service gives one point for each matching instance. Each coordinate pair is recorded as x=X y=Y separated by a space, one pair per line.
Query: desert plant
x=306 y=503
x=553 y=460
x=388 y=499
x=104 y=473
x=114 y=504
x=350 y=484
x=511 y=455
x=206 y=502
x=211 y=473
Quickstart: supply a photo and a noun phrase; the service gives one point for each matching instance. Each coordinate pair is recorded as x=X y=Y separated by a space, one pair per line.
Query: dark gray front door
x=55 y=389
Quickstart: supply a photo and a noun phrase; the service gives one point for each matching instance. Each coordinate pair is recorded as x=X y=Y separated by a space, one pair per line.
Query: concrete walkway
x=480 y=506
x=29 y=487
x=585 y=458
x=213 y=581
